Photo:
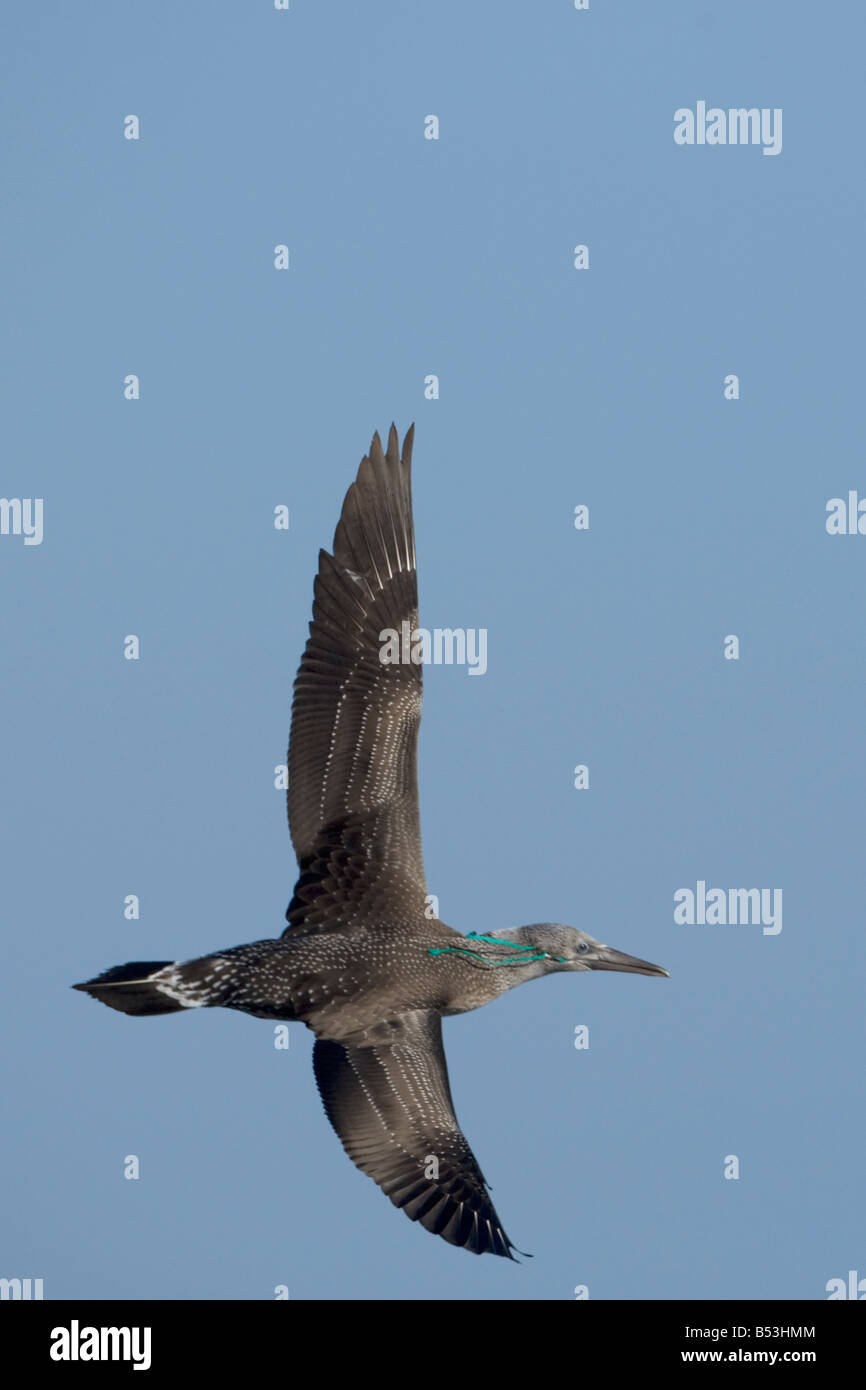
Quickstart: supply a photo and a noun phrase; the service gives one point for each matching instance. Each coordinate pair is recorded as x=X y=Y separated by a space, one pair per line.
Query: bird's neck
x=503 y=953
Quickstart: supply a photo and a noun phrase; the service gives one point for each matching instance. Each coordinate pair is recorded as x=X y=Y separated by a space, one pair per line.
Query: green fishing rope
x=495 y=941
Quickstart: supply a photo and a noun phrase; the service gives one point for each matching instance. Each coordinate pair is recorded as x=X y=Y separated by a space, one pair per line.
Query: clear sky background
x=557 y=387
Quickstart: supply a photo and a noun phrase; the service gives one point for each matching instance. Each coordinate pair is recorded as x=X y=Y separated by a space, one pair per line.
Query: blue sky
x=558 y=387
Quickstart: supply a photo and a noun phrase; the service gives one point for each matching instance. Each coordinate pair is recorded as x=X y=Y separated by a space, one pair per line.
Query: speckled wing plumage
x=353 y=783
x=390 y=1102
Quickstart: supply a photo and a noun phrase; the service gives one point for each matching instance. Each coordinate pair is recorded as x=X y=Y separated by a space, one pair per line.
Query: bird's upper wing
x=353 y=781
x=390 y=1102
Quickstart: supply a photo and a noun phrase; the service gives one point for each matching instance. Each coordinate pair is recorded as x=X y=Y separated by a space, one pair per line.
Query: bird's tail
x=151 y=987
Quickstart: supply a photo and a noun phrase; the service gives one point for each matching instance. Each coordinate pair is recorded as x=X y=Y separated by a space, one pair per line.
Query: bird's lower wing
x=389 y=1101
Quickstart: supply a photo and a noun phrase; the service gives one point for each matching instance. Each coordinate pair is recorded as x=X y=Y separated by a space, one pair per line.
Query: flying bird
x=361 y=962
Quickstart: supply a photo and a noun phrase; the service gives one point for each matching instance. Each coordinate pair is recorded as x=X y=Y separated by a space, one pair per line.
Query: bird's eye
x=583 y=946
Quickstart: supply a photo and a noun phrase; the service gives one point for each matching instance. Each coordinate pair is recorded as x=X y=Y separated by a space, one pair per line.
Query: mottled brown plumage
x=362 y=962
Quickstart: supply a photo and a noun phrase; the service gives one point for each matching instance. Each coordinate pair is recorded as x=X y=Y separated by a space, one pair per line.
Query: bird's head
x=566 y=948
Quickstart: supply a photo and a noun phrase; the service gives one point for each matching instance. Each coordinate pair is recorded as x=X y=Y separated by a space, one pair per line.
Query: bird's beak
x=608 y=959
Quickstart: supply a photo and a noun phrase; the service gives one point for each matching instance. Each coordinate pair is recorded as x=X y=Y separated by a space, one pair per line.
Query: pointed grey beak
x=608 y=959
